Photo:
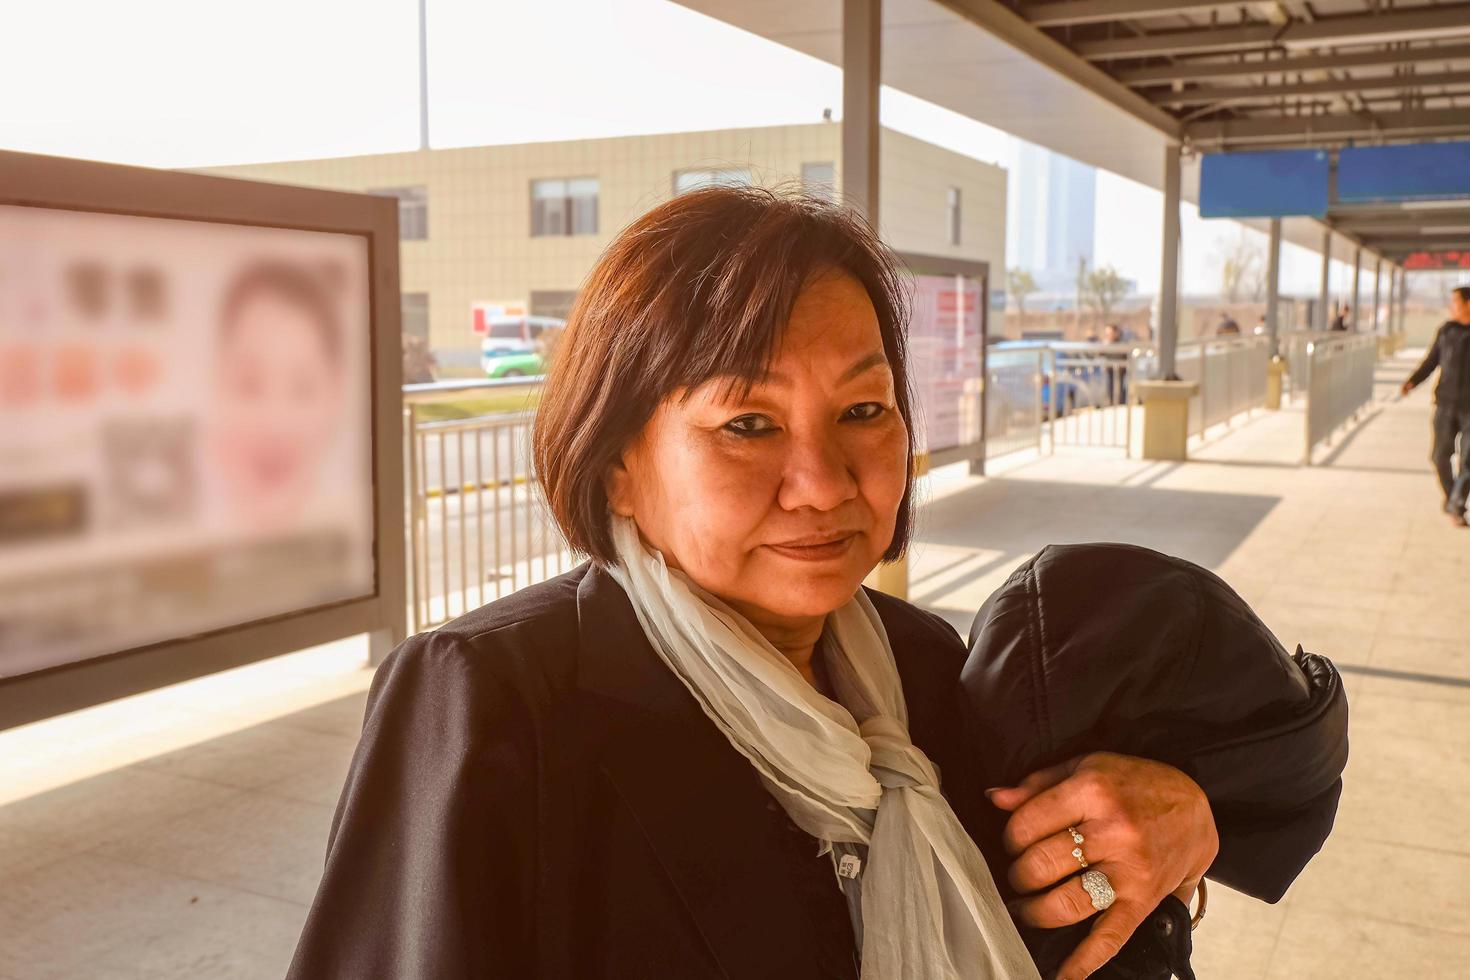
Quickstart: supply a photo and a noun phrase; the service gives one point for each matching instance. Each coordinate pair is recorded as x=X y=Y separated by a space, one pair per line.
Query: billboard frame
x=921 y=264
x=31 y=180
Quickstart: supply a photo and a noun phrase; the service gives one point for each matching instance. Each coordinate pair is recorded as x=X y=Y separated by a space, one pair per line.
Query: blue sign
x=1408 y=172
x=1264 y=185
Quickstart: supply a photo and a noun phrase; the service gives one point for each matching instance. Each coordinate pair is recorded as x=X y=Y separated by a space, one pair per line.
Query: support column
x=423 y=74
x=1166 y=401
x=1324 y=320
x=862 y=44
x=862 y=74
x=1168 y=338
x=1377 y=284
x=1275 y=368
x=1357 y=273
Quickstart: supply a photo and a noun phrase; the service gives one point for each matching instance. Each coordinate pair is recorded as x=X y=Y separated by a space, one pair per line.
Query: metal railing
x=1231 y=375
x=1014 y=413
x=1293 y=346
x=1087 y=395
x=1339 y=384
x=477 y=526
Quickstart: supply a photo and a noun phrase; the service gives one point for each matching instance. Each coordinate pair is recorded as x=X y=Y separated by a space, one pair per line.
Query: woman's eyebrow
x=876 y=359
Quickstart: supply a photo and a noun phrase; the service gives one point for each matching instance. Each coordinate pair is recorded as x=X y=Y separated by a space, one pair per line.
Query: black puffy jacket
x=1111 y=647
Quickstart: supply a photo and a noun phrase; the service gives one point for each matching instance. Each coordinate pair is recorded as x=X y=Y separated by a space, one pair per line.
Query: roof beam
x=1404 y=222
x=1060 y=13
x=1007 y=26
x=1348 y=86
x=1200 y=70
x=1295 y=130
x=1380 y=28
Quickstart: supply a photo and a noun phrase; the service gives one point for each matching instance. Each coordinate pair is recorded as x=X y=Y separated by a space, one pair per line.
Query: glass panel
x=819 y=180
x=688 y=180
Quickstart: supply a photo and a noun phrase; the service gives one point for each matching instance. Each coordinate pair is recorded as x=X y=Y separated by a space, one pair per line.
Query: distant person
x=1260 y=330
x=1450 y=352
x=1340 y=322
x=1113 y=334
x=1227 y=327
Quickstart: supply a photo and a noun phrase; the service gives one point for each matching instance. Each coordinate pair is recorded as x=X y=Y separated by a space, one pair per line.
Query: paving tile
x=1412 y=886
x=253 y=841
x=1317 y=945
x=88 y=909
x=1237 y=936
x=121 y=803
x=255 y=756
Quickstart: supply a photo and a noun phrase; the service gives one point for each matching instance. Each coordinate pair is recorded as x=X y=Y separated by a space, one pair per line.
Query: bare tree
x=1102 y=289
x=1019 y=285
x=1242 y=266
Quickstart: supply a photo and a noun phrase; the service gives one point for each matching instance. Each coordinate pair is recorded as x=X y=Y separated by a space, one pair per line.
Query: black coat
x=535 y=795
x=1114 y=647
x=1450 y=352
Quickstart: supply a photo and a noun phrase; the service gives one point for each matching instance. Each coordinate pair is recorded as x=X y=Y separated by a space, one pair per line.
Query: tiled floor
x=179 y=835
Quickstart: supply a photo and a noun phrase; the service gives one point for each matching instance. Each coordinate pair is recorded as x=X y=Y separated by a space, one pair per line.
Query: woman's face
x=779 y=502
x=278 y=395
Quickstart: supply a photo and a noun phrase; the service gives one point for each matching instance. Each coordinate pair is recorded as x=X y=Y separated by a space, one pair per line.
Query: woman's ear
x=617 y=483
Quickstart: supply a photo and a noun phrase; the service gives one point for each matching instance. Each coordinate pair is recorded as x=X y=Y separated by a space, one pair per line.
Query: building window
x=415 y=312
x=952 y=215
x=819 y=180
x=564 y=206
x=689 y=180
x=413 y=211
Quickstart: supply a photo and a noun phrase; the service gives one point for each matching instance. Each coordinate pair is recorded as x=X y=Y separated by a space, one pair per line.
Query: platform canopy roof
x=1113 y=82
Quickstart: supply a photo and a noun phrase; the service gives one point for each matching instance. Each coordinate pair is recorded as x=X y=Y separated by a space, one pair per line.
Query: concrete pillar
x=862 y=45
x=1377 y=283
x=1167 y=341
x=1273 y=285
x=862 y=74
x=1324 y=319
x=1357 y=273
x=1275 y=367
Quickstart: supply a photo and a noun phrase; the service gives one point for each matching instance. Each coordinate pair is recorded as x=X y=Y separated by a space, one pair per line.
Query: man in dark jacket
x=1450 y=352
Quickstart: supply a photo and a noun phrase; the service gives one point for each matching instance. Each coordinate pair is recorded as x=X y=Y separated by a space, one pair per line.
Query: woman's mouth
x=815 y=549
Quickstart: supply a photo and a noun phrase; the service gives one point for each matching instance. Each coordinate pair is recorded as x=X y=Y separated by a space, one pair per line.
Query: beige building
x=505 y=227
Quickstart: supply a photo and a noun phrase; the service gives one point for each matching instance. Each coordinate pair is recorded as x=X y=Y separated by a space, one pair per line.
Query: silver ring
x=1077 y=839
x=1099 y=889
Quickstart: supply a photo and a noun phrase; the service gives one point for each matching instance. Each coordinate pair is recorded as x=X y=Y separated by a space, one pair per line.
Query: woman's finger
x=1063 y=905
x=1070 y=802
x=1050 y=860
x=1010 y=797
x=1111 y=930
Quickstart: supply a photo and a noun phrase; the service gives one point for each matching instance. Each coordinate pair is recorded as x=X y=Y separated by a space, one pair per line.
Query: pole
x=1357 y=272
x=1168 y=339
x=1322 y=319
x=423 y=74
x=862 y=42
x=1273 y=286
x=1377 y=282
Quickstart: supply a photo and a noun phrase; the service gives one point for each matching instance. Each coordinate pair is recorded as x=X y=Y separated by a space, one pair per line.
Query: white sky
x=174 y=83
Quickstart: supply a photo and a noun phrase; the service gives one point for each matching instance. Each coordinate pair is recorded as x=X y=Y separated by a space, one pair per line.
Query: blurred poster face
x=185 y=431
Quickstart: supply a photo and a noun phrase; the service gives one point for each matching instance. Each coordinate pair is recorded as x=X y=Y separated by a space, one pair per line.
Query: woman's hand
x=1146 y=825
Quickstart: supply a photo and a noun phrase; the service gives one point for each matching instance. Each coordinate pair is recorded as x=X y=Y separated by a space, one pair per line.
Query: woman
x=709 y=752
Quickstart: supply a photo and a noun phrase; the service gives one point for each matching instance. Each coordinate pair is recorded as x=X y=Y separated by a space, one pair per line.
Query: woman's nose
x=817 y=473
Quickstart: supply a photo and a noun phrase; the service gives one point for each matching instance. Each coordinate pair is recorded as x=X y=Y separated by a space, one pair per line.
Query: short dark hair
x=1463 y=292
x=698 y=288
x=307 y=289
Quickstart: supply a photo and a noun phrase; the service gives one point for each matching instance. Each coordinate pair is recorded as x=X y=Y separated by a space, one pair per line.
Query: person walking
x=1450 y=352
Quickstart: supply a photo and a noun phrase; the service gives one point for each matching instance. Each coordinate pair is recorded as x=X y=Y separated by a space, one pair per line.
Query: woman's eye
x=867 y=411
x=750 y=425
